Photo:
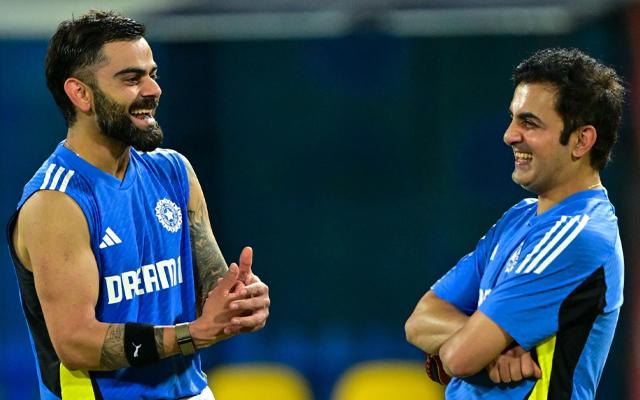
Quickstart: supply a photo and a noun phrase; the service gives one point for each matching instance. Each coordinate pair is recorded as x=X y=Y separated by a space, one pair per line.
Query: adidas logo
x=110 y=239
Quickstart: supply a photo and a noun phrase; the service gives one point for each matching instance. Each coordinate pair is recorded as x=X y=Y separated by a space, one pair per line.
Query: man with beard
x=531 y=312
x=118 y=295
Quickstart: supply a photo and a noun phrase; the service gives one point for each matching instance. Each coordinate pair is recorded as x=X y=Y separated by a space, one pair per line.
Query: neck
x=549 y=198
x=104 y=153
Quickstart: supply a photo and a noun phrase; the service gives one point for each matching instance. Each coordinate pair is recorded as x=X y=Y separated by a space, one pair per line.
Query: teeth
x=138 y=112
x=523 y=156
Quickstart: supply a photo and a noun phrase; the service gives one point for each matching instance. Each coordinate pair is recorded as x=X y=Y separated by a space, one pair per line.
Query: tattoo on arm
x=112 y=355
x=207 y=258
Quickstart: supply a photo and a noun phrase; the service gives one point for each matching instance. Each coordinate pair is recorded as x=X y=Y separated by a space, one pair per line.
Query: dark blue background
x=359 y=168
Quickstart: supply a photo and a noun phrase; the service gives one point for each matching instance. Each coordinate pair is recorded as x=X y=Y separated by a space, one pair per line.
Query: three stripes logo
x=109 y=239
x=52 y=184
x=553 y=244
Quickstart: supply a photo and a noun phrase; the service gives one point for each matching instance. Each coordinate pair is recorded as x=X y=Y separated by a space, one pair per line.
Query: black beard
x=115 y=122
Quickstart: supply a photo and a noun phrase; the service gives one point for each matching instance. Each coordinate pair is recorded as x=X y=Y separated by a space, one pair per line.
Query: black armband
x=140 y=344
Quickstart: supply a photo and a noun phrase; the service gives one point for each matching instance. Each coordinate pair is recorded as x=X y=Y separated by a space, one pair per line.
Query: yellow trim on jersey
x=545 y=352
x=75 y=385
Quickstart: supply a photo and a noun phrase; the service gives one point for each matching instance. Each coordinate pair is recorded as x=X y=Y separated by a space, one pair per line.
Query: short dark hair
x=589 y=93
x=77 y=44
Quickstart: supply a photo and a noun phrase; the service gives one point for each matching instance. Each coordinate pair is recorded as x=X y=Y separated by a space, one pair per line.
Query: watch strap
x=184 y=339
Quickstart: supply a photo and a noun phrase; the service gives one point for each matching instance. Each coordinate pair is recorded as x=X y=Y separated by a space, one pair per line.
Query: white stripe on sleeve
x=47 y=176
x=541 y=243
x=65 y=181
x=552 y=244
x=56 y=178
x=563 y=245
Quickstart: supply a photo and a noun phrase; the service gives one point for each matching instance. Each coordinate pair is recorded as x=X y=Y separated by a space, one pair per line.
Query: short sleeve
x=57 y=176
x=555 y=260
x=460 y=286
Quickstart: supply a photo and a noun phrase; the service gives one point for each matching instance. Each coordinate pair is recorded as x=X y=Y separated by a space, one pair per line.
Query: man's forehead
x=126 y=53
x=530 y=94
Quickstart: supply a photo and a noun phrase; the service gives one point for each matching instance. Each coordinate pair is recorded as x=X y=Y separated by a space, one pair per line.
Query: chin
x=524 y=184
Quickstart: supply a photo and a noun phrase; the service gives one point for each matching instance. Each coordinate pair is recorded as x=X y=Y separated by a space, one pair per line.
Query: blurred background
x=356 y=145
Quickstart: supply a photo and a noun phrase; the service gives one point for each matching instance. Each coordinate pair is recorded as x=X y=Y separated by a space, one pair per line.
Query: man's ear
x=79 y=94
x=585 y=139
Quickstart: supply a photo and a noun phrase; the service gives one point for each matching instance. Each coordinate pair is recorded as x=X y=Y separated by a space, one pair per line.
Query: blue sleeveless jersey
x=553 y=282
x=140 y=238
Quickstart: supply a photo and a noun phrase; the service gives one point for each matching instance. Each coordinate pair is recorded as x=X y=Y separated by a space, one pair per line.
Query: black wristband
x=140 y=344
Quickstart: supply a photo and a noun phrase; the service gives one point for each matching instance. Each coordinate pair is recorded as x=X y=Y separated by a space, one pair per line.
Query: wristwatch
x=184 y=339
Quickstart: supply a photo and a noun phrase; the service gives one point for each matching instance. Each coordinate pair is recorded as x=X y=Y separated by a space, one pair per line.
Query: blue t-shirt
x=140 y=238
x=554 y=283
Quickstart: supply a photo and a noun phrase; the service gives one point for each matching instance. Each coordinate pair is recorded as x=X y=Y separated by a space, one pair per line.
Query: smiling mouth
x=522 y=156
x=142 y=114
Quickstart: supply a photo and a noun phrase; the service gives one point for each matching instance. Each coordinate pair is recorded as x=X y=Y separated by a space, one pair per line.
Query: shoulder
x=603 y=222
x=518 y=213
x=51 y=216
x=163 y=160
x=575 y=229
x=565 y=241
x=161 y=155
x=50 y=204
x=590 y=222
x=61 y=191
x=57 y=175
x=523 y=206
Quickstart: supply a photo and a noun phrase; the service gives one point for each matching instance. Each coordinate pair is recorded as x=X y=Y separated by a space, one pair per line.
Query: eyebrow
x=134 y=70
x=528 y=116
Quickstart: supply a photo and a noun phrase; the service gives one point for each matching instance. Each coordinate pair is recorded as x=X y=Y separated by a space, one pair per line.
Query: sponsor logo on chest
x=146 y=279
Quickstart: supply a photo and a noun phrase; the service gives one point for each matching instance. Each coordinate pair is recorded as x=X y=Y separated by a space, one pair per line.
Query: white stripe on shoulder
x=541 y=243
x=56 y=178
x=583 y=222
x=552 y=244
x=65 y=181
x=47 y=176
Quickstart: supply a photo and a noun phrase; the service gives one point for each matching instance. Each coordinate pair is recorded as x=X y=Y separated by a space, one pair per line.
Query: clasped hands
x=238 y=303
x=513 y=365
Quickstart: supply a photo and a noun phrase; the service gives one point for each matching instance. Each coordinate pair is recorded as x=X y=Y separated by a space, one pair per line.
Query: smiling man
x=531 y=312
x=120 y=276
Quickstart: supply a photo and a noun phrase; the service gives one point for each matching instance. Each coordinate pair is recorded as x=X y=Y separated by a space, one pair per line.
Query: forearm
x=473 y=347
x=121 y=344
x=432 y=323
x=207 y=259
x=102 y=347
x=113 y=352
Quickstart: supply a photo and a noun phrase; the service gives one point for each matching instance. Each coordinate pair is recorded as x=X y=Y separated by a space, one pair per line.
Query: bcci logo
x=513 y=260
x=169 y=215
